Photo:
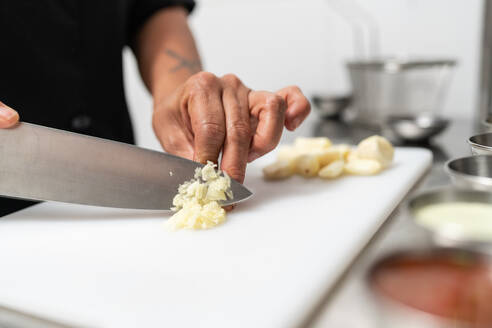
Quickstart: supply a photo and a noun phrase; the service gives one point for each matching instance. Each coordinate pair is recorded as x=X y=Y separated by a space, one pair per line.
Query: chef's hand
x=210 y=114
x=8 y=116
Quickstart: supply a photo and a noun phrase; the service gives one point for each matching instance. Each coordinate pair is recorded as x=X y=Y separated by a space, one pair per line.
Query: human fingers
x=238 y=130
x=206 y=114
x=269 y=111
x=298 y=107
x=8 y=116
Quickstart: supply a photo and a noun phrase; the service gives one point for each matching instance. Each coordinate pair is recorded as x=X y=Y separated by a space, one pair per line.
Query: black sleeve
x=143 y=9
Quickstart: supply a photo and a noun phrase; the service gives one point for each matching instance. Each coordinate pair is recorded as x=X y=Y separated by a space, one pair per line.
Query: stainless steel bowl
x=416 y=128
x=487 y=125
x=393 y=313
x=448 y=195
x=330 y=106
x=472 y=172
x=481 y=144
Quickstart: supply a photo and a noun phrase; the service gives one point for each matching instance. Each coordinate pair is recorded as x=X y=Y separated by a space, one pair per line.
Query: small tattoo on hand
x=192 y=65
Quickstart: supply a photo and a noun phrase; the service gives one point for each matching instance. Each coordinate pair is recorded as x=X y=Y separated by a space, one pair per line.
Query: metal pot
x=397 y=87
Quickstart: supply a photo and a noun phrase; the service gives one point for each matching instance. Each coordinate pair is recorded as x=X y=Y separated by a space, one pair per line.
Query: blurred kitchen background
x=270 y=44
x=274 y=43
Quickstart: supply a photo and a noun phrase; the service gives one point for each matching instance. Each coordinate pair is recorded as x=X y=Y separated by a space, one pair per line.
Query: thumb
x=8 y=116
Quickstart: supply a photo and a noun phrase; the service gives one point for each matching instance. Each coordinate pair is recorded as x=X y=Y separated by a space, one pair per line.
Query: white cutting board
x=265 y=267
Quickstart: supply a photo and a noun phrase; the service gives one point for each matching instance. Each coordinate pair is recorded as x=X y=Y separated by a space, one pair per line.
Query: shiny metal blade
x=41 y=163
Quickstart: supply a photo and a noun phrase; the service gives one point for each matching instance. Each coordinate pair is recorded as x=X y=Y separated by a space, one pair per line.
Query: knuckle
x=170 y=145
x=160 y=118
x=232 y=80
x=264 y=146
x=294 y=88
x=213 y=131
x=236 y=172
x=239 y=131
x=275 y=102
x=204 y=80
x=169 y=142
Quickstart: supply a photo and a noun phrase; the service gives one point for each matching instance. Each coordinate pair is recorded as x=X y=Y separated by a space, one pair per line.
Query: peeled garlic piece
x=307 y=165
x=343 y=150
x=363 y=167
x=287 y=153
x=311 y=144
x=376 y=148
x=332 y=170
x=327 y=156
x=279 y=170
x=351 y=156
x=317 y=156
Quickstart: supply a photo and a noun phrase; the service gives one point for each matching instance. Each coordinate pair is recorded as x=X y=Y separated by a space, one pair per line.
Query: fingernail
x=252 y=156
x=7 y=113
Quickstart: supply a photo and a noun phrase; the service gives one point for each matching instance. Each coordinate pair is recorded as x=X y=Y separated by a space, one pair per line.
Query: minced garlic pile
x=196 y=204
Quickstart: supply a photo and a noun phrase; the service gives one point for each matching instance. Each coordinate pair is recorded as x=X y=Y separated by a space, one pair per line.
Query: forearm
x=166 y=52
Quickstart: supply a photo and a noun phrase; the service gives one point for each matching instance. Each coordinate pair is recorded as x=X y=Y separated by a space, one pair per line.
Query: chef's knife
x=40 y=163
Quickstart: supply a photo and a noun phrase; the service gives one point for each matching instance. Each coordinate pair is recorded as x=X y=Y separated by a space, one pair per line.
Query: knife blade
x=41 y=163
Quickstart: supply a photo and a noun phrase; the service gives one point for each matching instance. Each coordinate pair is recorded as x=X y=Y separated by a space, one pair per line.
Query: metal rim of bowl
x=396 y=64
x=450 y=194
x=475 y=144
x=476 y=179
x=412 y=118
x=439 y=125
x=339 y=104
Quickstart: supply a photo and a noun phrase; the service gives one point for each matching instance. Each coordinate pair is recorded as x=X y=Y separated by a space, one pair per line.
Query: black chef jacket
x=61 y=64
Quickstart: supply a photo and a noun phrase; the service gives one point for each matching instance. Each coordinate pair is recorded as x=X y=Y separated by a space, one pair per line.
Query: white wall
x=273 y=43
